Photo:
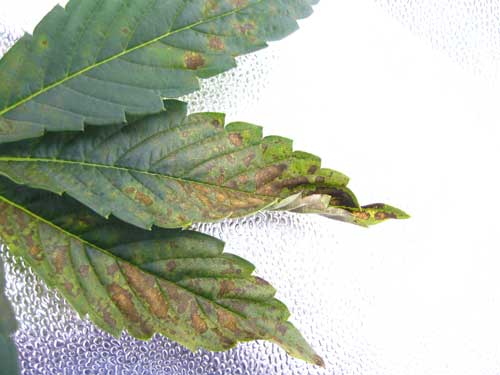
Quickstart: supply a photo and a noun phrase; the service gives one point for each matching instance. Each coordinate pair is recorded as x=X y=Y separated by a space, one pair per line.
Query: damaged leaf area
x=8 y=325
x=173 y=282
x=171 y=170
x=100 y=62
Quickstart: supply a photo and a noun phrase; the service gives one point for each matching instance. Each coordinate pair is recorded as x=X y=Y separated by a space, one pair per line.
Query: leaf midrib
x=269 y=198
x=123 y=53
x=114 y=257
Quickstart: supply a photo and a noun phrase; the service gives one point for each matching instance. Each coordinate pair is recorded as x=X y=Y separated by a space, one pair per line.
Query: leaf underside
x=8 y=325
x=171 y=170
x=174 y=282
x=101 y=62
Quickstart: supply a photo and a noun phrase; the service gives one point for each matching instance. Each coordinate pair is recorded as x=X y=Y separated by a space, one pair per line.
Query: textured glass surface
x=414 y=298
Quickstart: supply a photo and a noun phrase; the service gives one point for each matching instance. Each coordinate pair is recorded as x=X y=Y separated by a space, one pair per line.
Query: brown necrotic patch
x=193 y=60
x=363 y=215
x=227 y=320
x=123 y=299
x=236 y=139
x=138 y=196
x=84 y=270
x=199 y=324
x=216 y=43
x=239 y=3
x=268 y=174
x=226 y=286
x=384 y=215
x=145 y=286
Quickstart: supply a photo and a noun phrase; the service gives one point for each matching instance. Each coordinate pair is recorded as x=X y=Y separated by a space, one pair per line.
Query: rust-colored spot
x=245 y=28
x=129 y=190
x=239 y=3
x=312 y=169
x=145 y=285
x=260 y=281
x=36 y=252
x=384 y=216
x=84 y=270
x=220 y=179
x=211 y=5
x=236 y=139
x=216 y=43
x=143 y=198
x=125 y=30
x=243 y=179
x=281 y=328
x=226 y=286
x=59 y=260
x=123 y=300
x=138 y=196
x=45 y=42
x=216 y=123
x=269 y=174
x=69 y=288
x=112 y=269
x=220 y=197
x=171 y=265
x=199 y=324
x=318 y=361
x=248 y=159
x=363 y=215
x=193 y=60
x=227 y=320
x=106 y=315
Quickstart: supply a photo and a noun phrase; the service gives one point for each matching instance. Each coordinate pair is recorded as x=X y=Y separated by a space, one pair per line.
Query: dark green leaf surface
x=177 y=283
x=8 y=325
x=100 y=61
x=171 y=170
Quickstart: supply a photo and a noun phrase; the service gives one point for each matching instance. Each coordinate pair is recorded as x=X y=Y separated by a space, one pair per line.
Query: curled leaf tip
x=377 y=213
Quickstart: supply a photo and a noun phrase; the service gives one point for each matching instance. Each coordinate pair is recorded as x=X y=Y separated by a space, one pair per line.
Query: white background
x=414 y=128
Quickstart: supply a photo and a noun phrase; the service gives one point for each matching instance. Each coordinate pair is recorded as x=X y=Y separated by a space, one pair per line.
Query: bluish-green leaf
x=174 y=282
x=101 y=61
x=171 y=170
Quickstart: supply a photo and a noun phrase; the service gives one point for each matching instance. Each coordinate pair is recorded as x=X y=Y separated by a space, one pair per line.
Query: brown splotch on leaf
x=227 y=320
x=199 y=324
x=216 y=43
x=268 y=174
x=193 y=60
x=145 y=286
x=384 y=215
x=363 y=215
x=123 y=299
x=236 y=139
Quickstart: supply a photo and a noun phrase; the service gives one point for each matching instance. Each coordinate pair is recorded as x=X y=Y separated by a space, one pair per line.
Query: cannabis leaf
x=8 y=325
x=177 y=283
x=171 y=170
x=100 y=62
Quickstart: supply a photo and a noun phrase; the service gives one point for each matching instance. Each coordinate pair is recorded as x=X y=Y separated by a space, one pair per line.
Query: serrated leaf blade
x=171 y=170
x=177 y=283
x=99 y=62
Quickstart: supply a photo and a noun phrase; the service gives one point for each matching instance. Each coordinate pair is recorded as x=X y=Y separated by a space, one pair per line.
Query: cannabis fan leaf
x=171 y=170
x=177 y=283
x=99 y=62
x=8 y=325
